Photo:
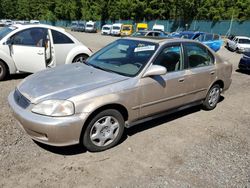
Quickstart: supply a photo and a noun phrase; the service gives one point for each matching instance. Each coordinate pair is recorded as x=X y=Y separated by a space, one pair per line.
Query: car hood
x=65 y=81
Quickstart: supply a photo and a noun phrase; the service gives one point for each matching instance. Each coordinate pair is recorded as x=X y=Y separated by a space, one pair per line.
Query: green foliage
x=125 y=9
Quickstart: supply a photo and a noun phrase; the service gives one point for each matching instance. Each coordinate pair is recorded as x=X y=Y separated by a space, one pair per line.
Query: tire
x=3 y=71
x=212 y=98
x=80 y=58
x=237 y=51
x=103 y=131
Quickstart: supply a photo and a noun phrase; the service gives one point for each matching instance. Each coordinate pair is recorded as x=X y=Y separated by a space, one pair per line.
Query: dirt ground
x=192 y=148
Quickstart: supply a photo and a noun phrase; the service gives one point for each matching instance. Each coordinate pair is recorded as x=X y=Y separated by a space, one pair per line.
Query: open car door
x=28 y=49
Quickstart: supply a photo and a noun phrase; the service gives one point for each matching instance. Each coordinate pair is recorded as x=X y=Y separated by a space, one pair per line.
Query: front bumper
x=105 y=33
x=116 y=34
x=55 y=131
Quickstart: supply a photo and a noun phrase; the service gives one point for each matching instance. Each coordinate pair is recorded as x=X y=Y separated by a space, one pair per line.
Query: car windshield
x=116 y=28
x=81 y=25
x=106 y=28
x=89 y=25
x=157 y=29
x=124 y=56
x=141 y=29
x=74 y=24
x=126 y=28
x=5 y=31
x=244 y=41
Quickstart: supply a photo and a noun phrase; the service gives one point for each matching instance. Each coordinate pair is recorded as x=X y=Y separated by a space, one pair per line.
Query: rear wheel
x=3 y=71
x=104 y=130
x=80 y=58
x=212 y=98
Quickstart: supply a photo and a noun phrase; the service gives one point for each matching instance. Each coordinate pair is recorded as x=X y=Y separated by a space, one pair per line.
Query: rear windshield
x=208 y=37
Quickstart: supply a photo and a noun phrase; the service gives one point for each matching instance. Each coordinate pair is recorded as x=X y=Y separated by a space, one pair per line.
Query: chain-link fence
x=225 y=27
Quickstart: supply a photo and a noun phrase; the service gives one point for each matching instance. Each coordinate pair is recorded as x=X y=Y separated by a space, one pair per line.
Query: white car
x=34 y=21
x=239 y=44
x=32 y=48
x=106 y=29
x=91 y=27
x=116 y=29
x=158 y=28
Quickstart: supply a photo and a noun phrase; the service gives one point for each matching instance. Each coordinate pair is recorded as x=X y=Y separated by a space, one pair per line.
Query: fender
x=9 y=62
x=76 y=51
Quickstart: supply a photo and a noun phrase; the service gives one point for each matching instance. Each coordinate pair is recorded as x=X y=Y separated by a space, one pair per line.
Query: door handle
x=212 y=72
x=181 y=80
x=40 y=53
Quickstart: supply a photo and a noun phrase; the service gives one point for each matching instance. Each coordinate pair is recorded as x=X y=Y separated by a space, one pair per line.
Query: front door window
x=35 y=37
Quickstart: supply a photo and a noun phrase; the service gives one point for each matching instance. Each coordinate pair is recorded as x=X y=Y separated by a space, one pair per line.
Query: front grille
x=21 y=100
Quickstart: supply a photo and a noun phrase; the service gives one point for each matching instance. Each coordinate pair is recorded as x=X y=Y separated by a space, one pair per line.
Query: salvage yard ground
x=192 y=148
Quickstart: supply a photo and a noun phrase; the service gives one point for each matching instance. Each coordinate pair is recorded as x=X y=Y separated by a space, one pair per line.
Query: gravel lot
x=192 y=148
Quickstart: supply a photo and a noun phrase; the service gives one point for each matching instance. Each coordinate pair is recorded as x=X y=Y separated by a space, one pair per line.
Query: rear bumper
x=55 y=131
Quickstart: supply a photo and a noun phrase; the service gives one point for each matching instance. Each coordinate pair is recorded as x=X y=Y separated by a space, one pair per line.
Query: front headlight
x=54 y=108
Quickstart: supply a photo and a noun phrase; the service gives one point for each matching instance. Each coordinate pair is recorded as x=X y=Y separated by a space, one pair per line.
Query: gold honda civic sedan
x=129 y=81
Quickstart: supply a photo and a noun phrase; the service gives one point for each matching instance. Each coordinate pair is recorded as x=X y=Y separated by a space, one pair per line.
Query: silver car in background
x=126 y=82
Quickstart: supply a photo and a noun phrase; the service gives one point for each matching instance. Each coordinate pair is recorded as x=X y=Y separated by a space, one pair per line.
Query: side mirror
x=155 y=70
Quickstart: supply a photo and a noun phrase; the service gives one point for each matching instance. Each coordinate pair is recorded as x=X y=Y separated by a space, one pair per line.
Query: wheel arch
x=6 y=65
x=77 y=51
x=79 y=55
x=219 y=82
x=8 y=61
x=120 y=108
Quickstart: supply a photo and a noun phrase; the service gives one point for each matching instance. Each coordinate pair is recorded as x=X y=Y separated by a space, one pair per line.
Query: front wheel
x=104 y=130
x=212 y=98
x=3 y=71
x=80 y=58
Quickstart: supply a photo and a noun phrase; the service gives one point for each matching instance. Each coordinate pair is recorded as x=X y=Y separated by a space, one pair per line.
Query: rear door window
x=197 y=56
x=60 y=38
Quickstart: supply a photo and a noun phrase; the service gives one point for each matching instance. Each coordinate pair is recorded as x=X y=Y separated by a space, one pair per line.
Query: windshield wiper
x=101 y=68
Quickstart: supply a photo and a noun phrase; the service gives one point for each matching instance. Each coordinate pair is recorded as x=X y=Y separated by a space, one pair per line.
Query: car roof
x=26 y=26
x=146 y=31
x=191 y=32
x=117 y=24
x=242 y=37
x=158 y=40
x=107 y=25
